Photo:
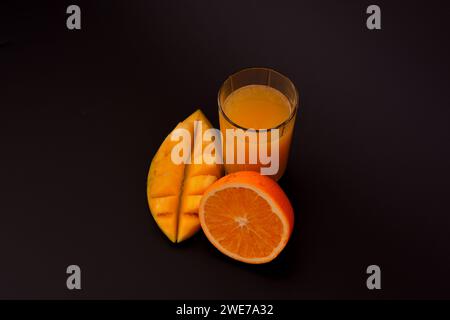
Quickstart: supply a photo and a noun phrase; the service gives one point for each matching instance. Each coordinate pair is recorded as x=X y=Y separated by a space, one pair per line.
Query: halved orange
x=247 y=217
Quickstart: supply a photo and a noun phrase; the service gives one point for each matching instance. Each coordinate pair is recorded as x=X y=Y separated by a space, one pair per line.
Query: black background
x=83 y=112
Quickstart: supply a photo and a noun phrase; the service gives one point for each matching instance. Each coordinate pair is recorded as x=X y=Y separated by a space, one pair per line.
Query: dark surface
x=83 y=112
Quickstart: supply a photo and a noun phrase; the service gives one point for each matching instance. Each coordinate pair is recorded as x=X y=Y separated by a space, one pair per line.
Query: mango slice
x=174 y=190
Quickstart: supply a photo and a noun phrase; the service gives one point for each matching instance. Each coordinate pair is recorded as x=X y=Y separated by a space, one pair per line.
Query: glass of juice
x=257 y=102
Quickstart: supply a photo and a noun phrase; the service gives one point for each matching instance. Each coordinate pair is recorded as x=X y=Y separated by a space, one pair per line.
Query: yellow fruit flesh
x=174 y=190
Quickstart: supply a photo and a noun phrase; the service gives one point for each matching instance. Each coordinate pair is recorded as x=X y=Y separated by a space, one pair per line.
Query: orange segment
x=247 y=217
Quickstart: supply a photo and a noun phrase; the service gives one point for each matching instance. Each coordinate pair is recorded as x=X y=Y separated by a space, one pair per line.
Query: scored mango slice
x=174 y=190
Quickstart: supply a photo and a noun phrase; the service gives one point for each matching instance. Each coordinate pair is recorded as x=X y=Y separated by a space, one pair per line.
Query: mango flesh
x=174 y=190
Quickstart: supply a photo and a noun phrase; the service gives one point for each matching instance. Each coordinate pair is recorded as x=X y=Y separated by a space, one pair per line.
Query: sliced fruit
x=174 y=190
x=247 y=217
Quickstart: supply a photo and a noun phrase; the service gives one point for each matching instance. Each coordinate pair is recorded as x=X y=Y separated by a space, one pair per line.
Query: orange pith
x=247 y=217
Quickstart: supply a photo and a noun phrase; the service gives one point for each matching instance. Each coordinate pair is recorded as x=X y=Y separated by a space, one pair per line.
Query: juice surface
x=257 y=107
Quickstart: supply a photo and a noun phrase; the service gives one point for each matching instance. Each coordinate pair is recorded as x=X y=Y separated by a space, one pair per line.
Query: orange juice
x=257 y=107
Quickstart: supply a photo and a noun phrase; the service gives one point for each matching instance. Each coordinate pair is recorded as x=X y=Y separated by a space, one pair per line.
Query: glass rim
x=282 y=124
